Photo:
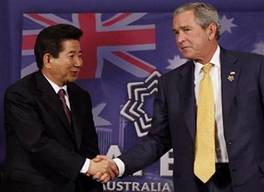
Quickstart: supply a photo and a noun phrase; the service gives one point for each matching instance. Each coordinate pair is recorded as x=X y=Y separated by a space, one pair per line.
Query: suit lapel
x=229 y=79
x=76 y=114
x=51 y=99
x=188 y=96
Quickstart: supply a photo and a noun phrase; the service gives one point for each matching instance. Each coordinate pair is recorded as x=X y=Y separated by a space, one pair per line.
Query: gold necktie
x=204 y=163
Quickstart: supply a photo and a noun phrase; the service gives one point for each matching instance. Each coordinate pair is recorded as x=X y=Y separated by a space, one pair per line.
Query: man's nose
x=78 y=62
x=180 y=38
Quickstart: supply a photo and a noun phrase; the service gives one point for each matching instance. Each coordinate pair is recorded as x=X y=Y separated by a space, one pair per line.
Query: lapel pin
x=231 y=76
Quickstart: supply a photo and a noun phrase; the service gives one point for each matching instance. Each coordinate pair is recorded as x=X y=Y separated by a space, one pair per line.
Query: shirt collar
x=215 y=60
x=56 y=87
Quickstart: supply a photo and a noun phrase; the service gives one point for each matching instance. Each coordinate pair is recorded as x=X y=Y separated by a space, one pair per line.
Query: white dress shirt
x=56 y=88
x=215 y=74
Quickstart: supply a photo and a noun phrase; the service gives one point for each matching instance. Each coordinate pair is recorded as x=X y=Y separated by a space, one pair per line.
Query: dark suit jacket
x=174 y=122
x=43 y=152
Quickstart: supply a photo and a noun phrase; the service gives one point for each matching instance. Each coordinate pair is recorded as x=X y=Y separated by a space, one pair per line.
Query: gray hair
x=205 y=14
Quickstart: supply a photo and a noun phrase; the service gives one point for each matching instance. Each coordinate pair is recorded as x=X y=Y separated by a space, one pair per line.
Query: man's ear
x=47 y=60
x=211 y=31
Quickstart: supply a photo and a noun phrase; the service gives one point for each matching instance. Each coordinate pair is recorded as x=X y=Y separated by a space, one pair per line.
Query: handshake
x=102 y=169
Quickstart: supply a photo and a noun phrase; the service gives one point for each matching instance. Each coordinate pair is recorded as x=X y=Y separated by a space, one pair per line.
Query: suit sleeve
x=89 y=147
x=23 y=122
x=151 y=147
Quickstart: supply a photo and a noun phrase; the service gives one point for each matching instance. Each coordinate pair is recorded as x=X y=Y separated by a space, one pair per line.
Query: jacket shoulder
x=24 y=84
x=242 y=55
x=177 y=72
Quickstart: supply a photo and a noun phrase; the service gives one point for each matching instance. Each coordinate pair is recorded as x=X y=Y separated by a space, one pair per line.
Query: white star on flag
x=227 y=24
x=259 y=48
x=175 y=62
x=99 y=121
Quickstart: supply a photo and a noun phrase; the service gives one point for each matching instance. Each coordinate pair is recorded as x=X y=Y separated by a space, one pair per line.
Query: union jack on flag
x=107 y=37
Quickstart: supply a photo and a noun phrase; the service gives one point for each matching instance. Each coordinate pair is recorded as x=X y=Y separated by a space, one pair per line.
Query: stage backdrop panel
x=124 y=55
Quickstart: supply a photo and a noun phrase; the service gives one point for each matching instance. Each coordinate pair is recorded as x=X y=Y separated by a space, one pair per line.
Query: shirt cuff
x=85 y=166
x=120 y=165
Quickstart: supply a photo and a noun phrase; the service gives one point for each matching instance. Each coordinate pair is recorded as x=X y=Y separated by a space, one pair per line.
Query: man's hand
x=102 y=169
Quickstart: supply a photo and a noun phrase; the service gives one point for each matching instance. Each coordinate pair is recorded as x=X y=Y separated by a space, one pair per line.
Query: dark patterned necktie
x=67 y=112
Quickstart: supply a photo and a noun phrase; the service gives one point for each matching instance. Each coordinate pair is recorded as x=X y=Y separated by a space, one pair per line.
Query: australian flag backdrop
x=124 y=55
x=127 y=45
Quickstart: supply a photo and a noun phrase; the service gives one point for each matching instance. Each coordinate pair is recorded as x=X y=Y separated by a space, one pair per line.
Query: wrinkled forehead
x=184 y=18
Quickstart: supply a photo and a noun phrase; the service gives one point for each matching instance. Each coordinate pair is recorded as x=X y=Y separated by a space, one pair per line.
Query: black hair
x=50 y=39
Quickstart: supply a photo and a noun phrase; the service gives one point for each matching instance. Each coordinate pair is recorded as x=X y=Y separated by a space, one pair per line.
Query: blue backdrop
x=134 y=47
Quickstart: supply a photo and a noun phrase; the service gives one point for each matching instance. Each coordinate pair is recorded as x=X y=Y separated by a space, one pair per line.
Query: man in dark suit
x=51 y=137
x=237 y=86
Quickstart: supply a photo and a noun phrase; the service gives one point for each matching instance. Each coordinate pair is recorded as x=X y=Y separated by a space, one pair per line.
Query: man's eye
x=176 y=32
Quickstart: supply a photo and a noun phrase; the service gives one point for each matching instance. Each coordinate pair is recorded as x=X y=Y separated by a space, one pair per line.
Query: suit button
x=229 y=142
